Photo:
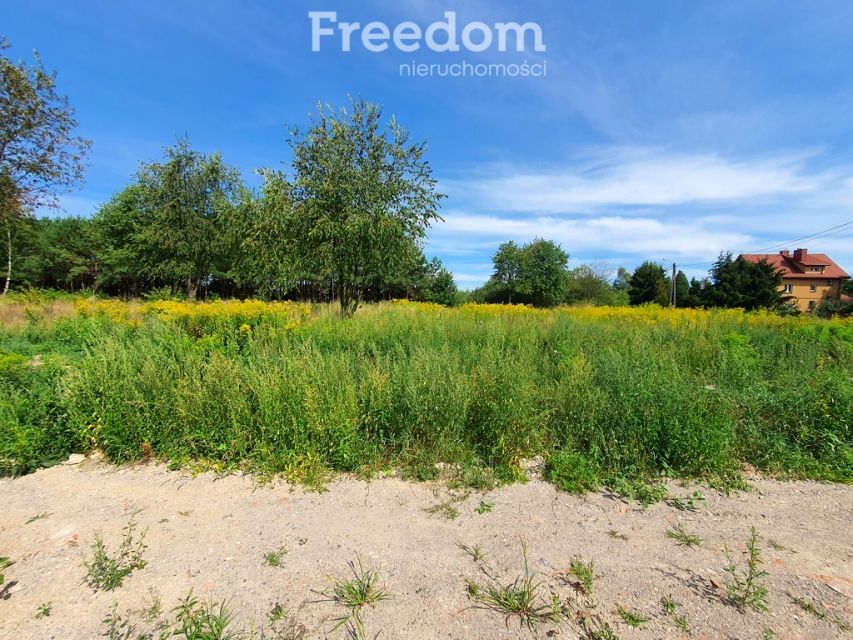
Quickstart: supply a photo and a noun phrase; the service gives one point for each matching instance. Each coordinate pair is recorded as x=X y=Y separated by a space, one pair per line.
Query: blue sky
x=661 y=130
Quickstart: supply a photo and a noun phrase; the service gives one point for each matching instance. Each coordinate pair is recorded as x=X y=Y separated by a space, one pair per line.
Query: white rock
x=75 y=458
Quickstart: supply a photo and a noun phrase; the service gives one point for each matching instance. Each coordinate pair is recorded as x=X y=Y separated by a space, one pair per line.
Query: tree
x=69 y=253
x=39 y=155
x=12 y=216
x=491 y=292
x=590 y=284
x=442 y=287
x=623 y=277
x=696 y=292
x=740 y=283
x=187 y=200
x=543 y=276
x=829 y=308
x=649 y=284
x=363 y=195
x=118 y=225
x=507 y=268
x=257 y=230
x=536 y=274
x=682 y=291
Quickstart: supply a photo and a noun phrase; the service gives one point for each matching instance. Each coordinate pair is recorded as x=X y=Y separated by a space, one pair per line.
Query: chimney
x=799 y=254
x=785 y=253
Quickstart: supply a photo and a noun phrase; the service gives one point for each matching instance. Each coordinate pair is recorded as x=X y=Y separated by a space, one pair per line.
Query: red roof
x=792 y=265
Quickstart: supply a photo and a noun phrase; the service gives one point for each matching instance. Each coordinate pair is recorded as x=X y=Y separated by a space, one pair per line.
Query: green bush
x=572 y=472
x=34 y=429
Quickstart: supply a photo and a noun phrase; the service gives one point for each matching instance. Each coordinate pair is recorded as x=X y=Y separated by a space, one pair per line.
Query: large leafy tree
x=40 y=156
x=544 y=273
x=740 y=283
x=263 y=258
x=363 y=194
x=507 y=268
x=118 y=226
x=536 y=273
x=188 y=200
x=649 y=284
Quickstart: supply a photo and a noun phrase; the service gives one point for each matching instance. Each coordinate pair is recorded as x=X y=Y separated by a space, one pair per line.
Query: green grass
x=523 y=599
x=691 y=503
x=633 y=619
x=683 y=538
x=670 y=608
x=354 y=593
x=606 y=401
x=39 y=516
x=819 y=612
x=447 y=508
x=274 y=558
x=202 y=621
x=5 y=563
x=192 y=620
x=584 y=572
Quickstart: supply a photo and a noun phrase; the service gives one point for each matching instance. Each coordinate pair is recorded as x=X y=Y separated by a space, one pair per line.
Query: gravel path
x=211 y=535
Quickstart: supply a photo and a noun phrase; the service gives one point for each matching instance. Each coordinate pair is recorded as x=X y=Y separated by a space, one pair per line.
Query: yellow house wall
x=803 y=295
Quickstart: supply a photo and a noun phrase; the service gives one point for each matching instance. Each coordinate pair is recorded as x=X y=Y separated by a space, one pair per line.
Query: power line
x=825 y=233
x=808 y=237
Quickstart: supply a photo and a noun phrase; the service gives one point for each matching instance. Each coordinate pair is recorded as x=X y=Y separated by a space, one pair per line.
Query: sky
x=665 y=131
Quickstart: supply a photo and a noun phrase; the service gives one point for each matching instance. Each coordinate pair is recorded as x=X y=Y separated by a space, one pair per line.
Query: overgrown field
x=606 y=395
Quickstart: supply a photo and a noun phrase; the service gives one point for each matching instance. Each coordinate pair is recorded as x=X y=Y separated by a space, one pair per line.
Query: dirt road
x=211 y=535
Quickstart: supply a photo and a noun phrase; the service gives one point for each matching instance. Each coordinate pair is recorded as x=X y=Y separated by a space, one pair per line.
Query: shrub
x=572 y=472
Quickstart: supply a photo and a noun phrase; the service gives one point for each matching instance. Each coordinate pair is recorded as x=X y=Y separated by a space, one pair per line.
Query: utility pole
x=672 y=288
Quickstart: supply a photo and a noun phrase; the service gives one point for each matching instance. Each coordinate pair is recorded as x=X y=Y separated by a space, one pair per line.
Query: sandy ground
x=211 y=535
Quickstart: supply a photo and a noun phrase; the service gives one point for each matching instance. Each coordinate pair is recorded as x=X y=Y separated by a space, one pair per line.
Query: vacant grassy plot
x=606 y=395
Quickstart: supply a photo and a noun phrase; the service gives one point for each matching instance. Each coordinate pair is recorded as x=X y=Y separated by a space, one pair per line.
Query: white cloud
x=604 y=235
x=631 y=177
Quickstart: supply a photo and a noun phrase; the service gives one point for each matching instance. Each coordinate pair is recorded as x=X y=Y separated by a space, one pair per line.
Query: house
x=807 y=277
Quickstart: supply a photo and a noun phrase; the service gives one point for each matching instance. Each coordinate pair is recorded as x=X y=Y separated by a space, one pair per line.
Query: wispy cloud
x=629 y=204
x=634 y=177
x=605 y=235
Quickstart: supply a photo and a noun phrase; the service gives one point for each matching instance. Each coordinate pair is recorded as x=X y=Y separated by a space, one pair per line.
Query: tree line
x=188 y=225
x=347 y=223
x=538 y=273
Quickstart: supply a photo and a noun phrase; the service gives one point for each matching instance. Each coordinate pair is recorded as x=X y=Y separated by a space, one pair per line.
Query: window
x=818 y=269
x=811 y=304
x=829 y=283
x=812 y=288
x=789 y=288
